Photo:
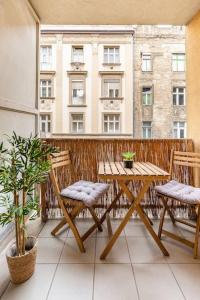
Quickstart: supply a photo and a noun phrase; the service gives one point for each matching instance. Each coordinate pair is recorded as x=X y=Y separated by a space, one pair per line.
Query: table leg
x=135 y=202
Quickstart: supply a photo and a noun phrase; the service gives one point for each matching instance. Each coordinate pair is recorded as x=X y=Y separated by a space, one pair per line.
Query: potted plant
x=128 y=159
x=23 y=166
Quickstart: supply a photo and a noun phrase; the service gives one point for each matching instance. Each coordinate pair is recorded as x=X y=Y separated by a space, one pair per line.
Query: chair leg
x=73 y=228
x=161 y=222
x=96 y=220
x=59 y=226
x=196 y=242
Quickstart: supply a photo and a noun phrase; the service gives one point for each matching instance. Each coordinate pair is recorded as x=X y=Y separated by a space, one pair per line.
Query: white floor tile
x=144 y=250
x=49 y=226
x=49 y=249
x=36 y=287
x=136 y=228
x=118 y=254
x=188 y=276
x=114 y=281
x=83 y=226
x=156 y=282
x=179 y=253
x=72 y=254
x=72 y=282
x=114 y=225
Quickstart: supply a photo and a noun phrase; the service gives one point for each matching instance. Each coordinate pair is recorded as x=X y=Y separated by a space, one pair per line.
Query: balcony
x=135 y=268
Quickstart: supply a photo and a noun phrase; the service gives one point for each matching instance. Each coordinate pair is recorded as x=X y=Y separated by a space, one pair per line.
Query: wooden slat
x=128 y=171
x=182 y=153
x=186 y=158
x=158 y=170
x=107 y=168
x=114 y=168
x=137 y=166
x=61 y=164
x=186 y=164
x=145 y=167
x=120 y=168
x=65 y=152
x=60 y=158
x=101 y=168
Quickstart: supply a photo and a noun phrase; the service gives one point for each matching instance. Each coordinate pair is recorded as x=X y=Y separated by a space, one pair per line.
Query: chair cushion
x=180 y=191
x=85 y=191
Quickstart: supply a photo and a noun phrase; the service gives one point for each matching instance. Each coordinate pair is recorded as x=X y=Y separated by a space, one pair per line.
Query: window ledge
x=112 y=99
x=77 y=63
x=111 y=64
x=74 y=105
x=48 y=72
x=147 y=72
x=47 y=98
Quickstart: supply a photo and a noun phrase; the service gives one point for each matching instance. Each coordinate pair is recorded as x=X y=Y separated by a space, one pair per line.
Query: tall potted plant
x=23 y=166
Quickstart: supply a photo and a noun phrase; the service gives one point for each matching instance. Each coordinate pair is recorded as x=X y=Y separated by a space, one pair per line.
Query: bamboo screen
x=85 y=154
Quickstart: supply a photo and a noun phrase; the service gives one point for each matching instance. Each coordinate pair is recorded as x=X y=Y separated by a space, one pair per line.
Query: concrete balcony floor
x=134 y=269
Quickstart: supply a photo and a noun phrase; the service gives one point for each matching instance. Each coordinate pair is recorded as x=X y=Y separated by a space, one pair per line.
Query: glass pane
x=182 y=133
x=174 y=99
x=43 y=127
x=181 y=99
x=105 y=127
x=49 y=127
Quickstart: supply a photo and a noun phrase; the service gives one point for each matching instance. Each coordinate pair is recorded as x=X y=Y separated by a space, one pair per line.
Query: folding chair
x=183 y=193
x=75 y=198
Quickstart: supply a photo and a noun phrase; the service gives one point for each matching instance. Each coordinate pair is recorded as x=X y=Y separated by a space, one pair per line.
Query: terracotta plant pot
x=128 y=164
x=22 y=267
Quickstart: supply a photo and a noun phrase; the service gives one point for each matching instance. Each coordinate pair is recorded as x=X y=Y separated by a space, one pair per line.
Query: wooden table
x=143 y=171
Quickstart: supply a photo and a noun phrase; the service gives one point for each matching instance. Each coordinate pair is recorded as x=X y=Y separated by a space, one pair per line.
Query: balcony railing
x=85 y=154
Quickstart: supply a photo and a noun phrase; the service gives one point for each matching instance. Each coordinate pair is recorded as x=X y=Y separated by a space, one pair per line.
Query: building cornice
x=89 y=31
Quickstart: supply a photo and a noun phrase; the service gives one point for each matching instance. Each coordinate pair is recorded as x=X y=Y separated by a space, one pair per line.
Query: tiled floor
x=134 y=269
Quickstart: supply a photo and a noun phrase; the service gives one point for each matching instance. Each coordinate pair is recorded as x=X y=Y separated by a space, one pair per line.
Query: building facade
x=159 y=82
x=118 y=81
x=86 y=82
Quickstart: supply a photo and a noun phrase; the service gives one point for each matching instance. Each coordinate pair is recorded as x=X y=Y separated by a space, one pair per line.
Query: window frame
x=178 y=130
x=72 y=54
x=49 y=60
x=177 y=96
x=111 y=77
x=152 y=95
x=146 y=128
x=177 y=67
x=47 y=122
x=76 y=77
x=143 y=54
x=71 y=122
x=103 y=125
x=47 y=88
x=108 y=62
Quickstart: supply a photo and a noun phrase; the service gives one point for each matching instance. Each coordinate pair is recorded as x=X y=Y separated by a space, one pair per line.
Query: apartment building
x=159 y=82
x=86 y=81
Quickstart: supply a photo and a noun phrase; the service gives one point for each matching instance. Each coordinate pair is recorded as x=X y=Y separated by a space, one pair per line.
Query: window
x=77 y=123
x=111 y=88
x=77 y=87
x=111 y=123
x=77 y=54
x=146 y=130
x=45 y=88
x=178 y=96
x=111 y=55
x=45 y=123
x=179 y=130
x=178 y=62
x=46 y=57
x=146 y=62
x=147 y=97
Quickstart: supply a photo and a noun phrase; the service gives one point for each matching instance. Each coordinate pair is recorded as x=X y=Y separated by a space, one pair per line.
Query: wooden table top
x=140 y=170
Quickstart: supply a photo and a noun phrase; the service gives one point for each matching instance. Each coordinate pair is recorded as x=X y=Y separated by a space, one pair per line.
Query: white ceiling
x=97 y=12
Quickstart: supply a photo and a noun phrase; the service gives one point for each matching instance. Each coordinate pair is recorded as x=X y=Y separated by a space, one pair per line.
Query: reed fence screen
x=85 y=155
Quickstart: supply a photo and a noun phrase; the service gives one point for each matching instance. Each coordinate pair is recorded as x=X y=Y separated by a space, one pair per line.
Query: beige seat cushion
x=180 y=191
x=86 y=191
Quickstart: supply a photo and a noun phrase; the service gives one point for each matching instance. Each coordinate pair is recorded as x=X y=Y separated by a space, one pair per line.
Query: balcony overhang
x=112 y=12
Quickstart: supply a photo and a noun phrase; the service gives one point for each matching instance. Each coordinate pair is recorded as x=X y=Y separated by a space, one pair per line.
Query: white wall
x=18 y=67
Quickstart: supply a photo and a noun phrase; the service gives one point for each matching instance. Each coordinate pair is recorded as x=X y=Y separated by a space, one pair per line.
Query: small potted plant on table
x=23 y=166
x=128 y=159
